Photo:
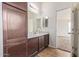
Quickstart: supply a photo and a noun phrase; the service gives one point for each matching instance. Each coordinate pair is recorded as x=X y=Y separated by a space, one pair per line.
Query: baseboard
x=64 y=50
x=51 y=46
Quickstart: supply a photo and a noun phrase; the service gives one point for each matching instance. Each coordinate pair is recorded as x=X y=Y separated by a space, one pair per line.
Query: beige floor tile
x=51 y=52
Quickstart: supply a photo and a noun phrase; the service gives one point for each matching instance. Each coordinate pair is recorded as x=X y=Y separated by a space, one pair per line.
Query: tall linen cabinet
x=15 y=29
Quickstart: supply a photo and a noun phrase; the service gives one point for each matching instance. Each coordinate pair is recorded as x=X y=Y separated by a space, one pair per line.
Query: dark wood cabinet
x=41 y=43
x=32 y=46
x=14 y=31
x=37 y=44
x=46 y=40
x=19 y=5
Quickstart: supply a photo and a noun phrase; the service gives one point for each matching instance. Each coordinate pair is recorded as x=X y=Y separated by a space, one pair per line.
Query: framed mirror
x=45 y=22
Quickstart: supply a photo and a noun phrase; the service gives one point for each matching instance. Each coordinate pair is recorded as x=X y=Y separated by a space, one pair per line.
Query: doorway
x=64 y=29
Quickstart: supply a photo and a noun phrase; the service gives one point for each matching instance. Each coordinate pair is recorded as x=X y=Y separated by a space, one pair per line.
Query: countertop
x=31 y=35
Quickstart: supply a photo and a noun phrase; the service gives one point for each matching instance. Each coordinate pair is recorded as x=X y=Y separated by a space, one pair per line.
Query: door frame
x=76 y=26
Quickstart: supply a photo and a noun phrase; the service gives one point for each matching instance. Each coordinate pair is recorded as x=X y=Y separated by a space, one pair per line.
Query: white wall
x=1 y=32
x=48 y=9
x=62 y=5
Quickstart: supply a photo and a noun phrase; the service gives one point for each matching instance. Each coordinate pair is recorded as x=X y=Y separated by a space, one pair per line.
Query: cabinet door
x=33 y=46
x=46 y=40
x=15 y=31
x=41 y=43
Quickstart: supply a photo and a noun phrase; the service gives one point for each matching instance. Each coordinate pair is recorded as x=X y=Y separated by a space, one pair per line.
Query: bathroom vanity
x=37 y=43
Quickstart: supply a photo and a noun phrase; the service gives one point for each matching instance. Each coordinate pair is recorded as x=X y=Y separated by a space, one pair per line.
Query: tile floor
x=51 y=52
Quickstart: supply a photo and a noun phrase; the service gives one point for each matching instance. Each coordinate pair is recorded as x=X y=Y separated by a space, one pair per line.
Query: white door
x=64 y=26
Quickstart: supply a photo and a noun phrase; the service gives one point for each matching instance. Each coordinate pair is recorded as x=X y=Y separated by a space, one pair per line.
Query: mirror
x=45 y=22
x=36 y=23
x=34 y=20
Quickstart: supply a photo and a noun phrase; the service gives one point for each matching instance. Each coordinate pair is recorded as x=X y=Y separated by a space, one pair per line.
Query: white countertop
x=36 y=35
